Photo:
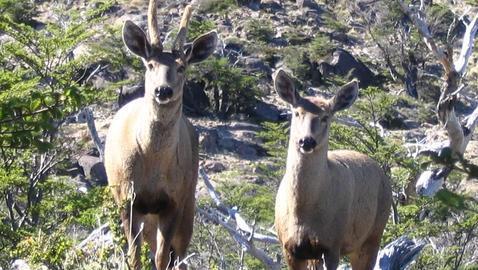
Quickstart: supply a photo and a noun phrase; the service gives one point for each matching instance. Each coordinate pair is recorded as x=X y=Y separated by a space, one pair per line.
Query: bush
x=197 y=28
x=40 y=85
x=259 y=30
x=230 y=90
x=19 y=11
x=217 y=6
x=320 y=47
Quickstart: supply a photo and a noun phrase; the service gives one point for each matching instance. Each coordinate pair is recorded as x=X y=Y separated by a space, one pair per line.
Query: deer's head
x=165 y=70
x=311 y=116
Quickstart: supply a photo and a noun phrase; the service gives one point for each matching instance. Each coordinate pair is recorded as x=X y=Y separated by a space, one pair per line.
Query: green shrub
x=320 y=47
x=230 y=90
x=40 y=85
x=217 y=6
x=259 y=30
x=19 y=11
x=255 y=202
x=335 y=24
x=197 y=28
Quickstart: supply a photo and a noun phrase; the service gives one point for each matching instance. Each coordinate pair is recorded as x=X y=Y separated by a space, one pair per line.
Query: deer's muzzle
x=307 y=145
x=163 y=93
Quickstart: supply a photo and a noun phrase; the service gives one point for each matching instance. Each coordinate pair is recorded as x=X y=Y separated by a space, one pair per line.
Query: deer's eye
x=150 y=66
x=181 y=69
x=296 y=114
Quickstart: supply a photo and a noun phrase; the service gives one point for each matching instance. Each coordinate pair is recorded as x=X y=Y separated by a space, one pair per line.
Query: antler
x=183 y=28
x=153 y=26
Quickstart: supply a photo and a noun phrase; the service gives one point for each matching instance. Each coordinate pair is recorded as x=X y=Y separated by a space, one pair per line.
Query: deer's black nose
x=163 y=93
x=307 y=144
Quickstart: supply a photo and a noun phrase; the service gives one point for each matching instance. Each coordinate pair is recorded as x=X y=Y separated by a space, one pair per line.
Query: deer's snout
x=307 y=144
x=163 y=93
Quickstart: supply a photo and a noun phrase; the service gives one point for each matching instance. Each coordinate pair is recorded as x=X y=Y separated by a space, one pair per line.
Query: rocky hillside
x=59 y=58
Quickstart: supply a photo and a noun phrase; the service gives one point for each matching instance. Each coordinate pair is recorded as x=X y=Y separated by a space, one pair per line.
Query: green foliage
x=275 y=137
x=45 y=249
x=230 y=89
x=41 y=83
x=19 y=11
x=254 y=201
x=335 y=24
x=197 y=28
x=440 y=17
x=296 y=59
x=217 y=6
x=320 y=47
x=372 y=105
x=259 y=30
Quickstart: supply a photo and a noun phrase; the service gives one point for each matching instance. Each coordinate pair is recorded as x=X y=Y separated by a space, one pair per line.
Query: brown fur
x=151 y=150
x=329 y=203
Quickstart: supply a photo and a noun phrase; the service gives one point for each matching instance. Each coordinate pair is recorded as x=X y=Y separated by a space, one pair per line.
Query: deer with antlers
x=329 y=203
x=151 y=150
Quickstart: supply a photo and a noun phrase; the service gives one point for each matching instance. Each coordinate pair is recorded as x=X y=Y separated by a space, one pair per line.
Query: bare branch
x=422 y=27
x=232 y=212
x=467 y=46
x=86 y=116
x=243 y=241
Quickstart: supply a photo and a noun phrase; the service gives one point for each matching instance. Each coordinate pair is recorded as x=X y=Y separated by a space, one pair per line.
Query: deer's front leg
x=164 y=256
x=332 y=258
x=132 y=221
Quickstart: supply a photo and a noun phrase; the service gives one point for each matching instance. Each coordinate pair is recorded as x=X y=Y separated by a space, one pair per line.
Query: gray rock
x=129 y=93
x=266 y=112
x=209 y=141
x=247 y=151
x=227 y=143
x=342 y=63
x=270 y=6
x=93 y=169
x=214 y=166
x=257 y=65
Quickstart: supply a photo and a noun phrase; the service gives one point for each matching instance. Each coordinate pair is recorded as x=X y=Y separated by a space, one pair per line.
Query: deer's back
x=369 y=205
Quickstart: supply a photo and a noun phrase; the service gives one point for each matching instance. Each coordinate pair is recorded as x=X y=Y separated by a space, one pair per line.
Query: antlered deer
x=329 y=203
x=151 y=151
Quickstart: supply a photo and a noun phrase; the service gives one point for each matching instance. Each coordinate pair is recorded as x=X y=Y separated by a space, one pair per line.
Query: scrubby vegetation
x=48 y=65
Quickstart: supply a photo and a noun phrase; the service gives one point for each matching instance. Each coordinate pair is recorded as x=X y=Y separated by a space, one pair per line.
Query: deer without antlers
x=151 y=151
x=329 y=203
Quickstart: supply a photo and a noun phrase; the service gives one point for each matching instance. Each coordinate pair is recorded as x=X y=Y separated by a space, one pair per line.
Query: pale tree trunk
x=454 y=71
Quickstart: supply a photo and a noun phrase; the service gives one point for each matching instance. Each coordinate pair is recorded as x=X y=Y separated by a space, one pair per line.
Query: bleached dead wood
x=246 y=243
x=398 y=254
x=86 y=116
x=232 y=213
x=458 y=135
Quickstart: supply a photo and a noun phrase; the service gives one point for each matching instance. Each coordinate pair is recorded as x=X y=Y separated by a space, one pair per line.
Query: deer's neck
x=307 y=172
x=159 y=127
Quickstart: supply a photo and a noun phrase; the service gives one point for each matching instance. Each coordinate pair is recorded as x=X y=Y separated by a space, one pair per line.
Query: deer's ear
x=345 y=97
x=201 y=48
x=135 y=40
x=284 y=86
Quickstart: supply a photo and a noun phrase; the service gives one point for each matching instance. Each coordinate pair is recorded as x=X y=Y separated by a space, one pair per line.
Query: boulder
x=271 y=6
x=130 y=93
x=214 y=166
x=93 y=169
x=209 y=141
x=344 y=64
x=266 y=112
x=256 y=65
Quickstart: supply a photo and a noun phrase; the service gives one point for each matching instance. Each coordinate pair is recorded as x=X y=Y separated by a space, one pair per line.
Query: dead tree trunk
x=454 y=71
